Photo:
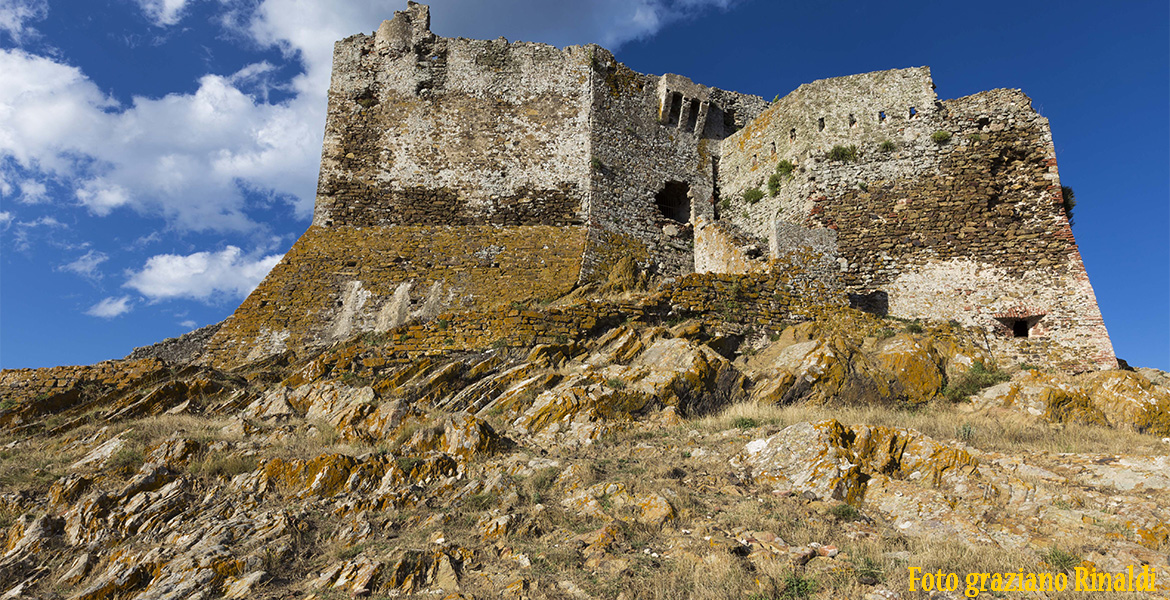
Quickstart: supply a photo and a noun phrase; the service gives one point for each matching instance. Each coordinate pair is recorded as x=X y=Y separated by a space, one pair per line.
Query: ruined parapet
x=179 y=350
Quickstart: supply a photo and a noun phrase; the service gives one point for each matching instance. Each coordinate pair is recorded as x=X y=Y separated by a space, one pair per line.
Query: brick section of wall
x=335 y=282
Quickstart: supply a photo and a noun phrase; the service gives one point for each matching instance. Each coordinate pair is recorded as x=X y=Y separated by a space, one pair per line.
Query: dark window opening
x=821 y=124
x=852 y=121
x=1017 y=323
x=881 y=115
x=675 y=111
x=673 y=202
x=773 y=148
x=792 y=135
x=913 y=112
x=693 y=118
x=754 y=160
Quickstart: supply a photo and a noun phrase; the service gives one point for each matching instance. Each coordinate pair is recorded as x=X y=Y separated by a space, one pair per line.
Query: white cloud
x=163 y=12
x=201 y=276
x=15 y=14
x=33 y=192
x=110 y=307
x=5 y=220
x=189 y=324
x=185 y=157
x=190 y=158
x=87 y=264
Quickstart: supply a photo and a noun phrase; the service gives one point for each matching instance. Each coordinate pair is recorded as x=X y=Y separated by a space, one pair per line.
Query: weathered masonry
x=469 y=174
x=944 y=210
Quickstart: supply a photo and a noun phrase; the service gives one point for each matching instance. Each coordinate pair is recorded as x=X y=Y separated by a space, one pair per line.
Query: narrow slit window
x=773 y=148
x=913 y=112
x=852 y=121
x=792 y=135
x=821 y=124
x=672 y=116
x=693 y=117
x=881 y=115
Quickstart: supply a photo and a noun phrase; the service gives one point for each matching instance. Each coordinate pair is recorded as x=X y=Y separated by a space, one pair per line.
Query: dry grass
x=996 y=431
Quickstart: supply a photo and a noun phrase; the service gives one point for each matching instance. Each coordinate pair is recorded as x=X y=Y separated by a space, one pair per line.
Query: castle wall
x=651 y=136
x=970 y=228
x=429 y=130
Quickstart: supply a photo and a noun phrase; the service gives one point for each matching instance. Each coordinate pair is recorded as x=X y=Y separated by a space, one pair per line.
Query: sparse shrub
x=500 y=343
x=843 y=153
x=1062 y=560
x=1069 y=199
x=914 y=327
x=965 y=432
x=887 y=146
x=975 y=137
x=869 y=570
x=885 y=333
x=596 y=164
x=785 y=168
x=845 y=512
x=798 y=586
x=406 y=464
x=744 y=422
x=480 y=502
x=7 y=404
x=725 y=204
x=753 y=195
x=127 y=459
x=615 y=383
x=227 y=465
x=443 y=324
x=971 y=382
x=940 y=136
x=774 y=184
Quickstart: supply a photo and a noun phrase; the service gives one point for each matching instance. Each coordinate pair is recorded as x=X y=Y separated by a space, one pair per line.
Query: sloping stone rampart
x=336 y=282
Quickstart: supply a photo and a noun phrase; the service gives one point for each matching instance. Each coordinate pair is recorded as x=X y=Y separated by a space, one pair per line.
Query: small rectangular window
x=792 y=135
x=821 y=124
x=913 y=112
x=881 y=115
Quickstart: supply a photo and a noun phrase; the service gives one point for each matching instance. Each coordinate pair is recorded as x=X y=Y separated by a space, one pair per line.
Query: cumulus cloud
x=185 y=157
x=15 y=15
x=203 y=276
x=110 y=307
x=87 y=264
x=5 y=220
x=163 y=12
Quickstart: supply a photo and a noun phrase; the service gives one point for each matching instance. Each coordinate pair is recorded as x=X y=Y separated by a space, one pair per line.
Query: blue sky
x=157 y=157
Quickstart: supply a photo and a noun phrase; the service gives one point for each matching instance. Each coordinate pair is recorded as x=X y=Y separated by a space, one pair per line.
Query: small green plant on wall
x=774 y=184
x=843 y=153
x=941 y=137
x=753 y=195
x=887 y=146
x=785 y=168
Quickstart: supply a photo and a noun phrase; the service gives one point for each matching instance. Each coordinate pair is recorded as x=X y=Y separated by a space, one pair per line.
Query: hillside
x=653 y=455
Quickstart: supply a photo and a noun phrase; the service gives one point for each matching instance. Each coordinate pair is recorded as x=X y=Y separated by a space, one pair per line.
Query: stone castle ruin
x=463 y=175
